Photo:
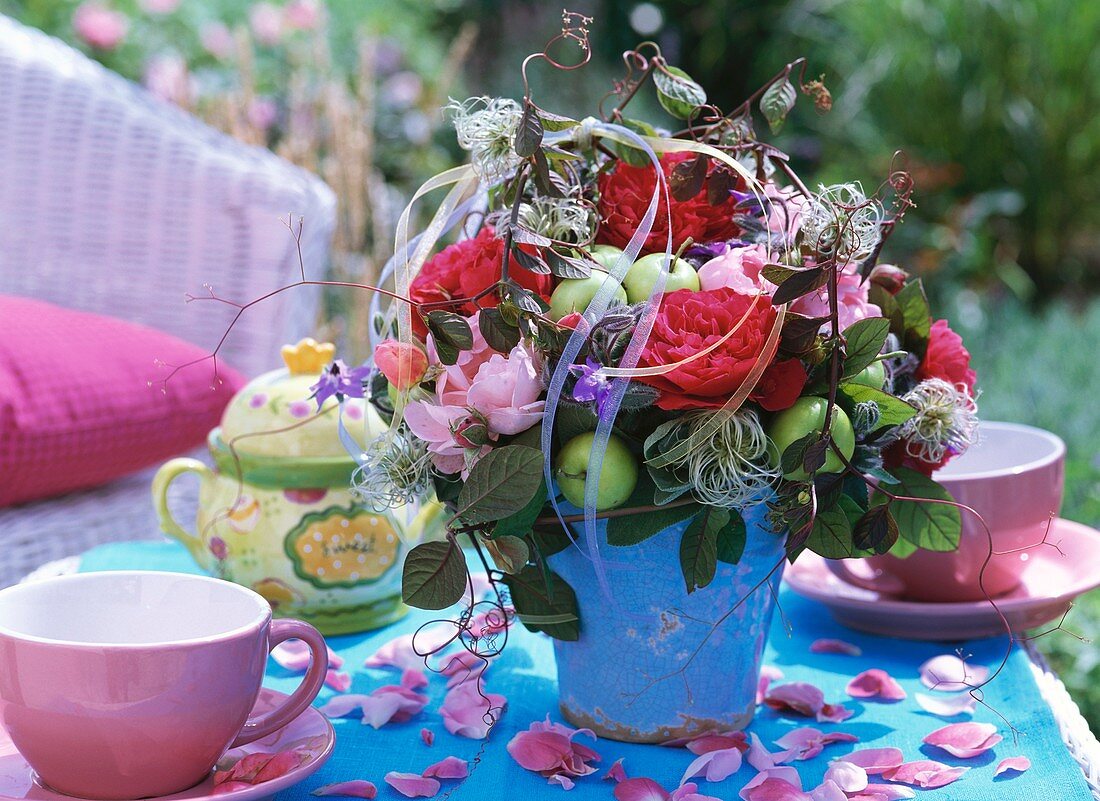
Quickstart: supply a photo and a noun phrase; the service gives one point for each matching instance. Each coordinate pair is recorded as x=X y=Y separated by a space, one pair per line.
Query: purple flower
x=340 y=381
x=591 y=387
x=710 y=250
x=747 y=202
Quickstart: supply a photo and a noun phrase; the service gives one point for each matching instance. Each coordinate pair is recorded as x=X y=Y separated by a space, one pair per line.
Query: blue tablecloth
x=525 y=674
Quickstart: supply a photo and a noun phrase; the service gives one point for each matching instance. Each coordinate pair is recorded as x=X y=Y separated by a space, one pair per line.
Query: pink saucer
x=310 y=731
x=1049 y=584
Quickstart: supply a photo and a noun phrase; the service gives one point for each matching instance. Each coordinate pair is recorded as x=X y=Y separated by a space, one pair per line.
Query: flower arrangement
x=643 y=328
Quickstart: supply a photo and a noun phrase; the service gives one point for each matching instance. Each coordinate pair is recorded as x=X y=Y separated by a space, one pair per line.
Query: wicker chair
x=115 y=202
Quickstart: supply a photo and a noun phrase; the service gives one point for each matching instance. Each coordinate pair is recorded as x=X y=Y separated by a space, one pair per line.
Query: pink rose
x=266 y=22
x=852 y=303
x=217 y=40
x=166 y=76
x=303 y=15
x=99 y=26
x=440 y=426
x=455 y=380
x=738 y=269
x=784 y=212
x=506 y=392
x=262 y=113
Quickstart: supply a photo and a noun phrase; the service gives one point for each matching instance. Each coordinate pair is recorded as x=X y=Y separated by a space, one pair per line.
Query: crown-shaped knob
x=308 y=357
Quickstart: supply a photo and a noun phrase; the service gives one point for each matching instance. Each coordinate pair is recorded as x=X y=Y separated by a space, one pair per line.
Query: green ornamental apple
x=574 y=294
x=807 y=415
x=641 y=279
x=618 y=474
x=605 y=256
x=873 y=376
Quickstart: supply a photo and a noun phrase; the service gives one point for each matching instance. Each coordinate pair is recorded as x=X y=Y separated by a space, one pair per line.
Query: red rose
x=466 y=268
x=946 y=358
x=689 y=322
x=625 y=193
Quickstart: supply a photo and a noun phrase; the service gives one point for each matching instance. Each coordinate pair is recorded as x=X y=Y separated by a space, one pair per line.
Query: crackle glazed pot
x=644 y=669
x=276 y=513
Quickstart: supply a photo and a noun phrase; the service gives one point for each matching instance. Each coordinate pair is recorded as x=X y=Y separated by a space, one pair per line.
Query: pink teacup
x=1013 y=477
x=132 y=684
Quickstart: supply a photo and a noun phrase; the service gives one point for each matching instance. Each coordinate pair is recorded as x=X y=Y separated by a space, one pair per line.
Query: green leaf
x=556 y=122
x=864 y=340
x=567 y=266
x=530 y=131
x=677 y=93
x=550 y=610
x=529 y=261
x=519 y=523
x=932 y=526
x=731 y=540
x=451 y=333
x=893 y=411
x=876 y=530
x=916 y=316
x=699 y=547
x=434 y=575
x=777 y=102
x=799 y=284
x=632 y=529
x=509 y=553
x=629 y=154
x=501 y=483
x=542 y=175
x=831 y=535
x=793 y=458
x=499 y=335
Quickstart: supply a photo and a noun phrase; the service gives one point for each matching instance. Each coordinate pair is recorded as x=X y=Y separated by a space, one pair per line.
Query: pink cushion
x=76 y=407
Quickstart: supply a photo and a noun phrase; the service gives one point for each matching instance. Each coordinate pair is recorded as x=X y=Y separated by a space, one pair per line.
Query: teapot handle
x=168 y=473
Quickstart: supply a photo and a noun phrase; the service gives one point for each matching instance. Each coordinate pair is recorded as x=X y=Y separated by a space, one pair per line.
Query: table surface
x=525 y=675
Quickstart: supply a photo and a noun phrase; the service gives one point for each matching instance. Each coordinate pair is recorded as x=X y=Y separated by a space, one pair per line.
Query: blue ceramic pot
x=625 y=678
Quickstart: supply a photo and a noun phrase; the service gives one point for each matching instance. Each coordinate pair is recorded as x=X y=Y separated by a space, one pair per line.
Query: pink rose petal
x=835 y=647
x=469 y=711
x=948 y=673
x=885 y=792
x=562 y=780
x=341 y=705
x=341 y=682
x=766 y=787
x=964 y=740
x=796 y=696
x=549 y=749
x=448 y=768
x=616 y=772
x=640 y=789
x=718 y=742
x=690 y=792
x=230 y=787
x=413 y=679
x=834 y=713
x=876 y=760
x=391 y=703
x=714 y=766
x=295 y=655
x=828 y=790
x=768 y=674
x=462 y=666
x=876 y=683
x=412 y=786
x=1018 y=764
x=962 y=704
x=399 y=651
x=924 y=773
x=427 y=736
x=358 y=788
x=760 y=757
x=848 y=777
x=807 y=742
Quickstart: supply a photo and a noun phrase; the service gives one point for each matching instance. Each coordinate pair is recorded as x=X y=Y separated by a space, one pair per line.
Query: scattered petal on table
x=828 y=791
x=341 y=705
x=834 y=713
x=399 y=652
x=796 y=696
x=961 y=704
x=925 y=773
x=469 y=711
x=230 y=787
x=392 y=702
x=1018 y=764
x=358 y=788
x=549 y=749
x=295 y=655
x=765 y=786
x=885 y=792
x=412 y=786
x=714 y=766
x=259 y=767
x=807 y=742
x=690 y=792
x=427 y=736
x=835 y=647
x=640 y=789
x=949 y=673
x=341 y=682
x=448 y=768
x=462 y=666
x=768 y=674
x=760 y=757
x=616 y=772
x=876 y=683
x=848 y=777
x=965 y=740
x=413 y=679
x=562 y=781
x=876 y=760
x=718 y=742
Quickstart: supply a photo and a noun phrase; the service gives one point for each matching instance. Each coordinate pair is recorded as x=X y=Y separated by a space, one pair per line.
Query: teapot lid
x=274 y=414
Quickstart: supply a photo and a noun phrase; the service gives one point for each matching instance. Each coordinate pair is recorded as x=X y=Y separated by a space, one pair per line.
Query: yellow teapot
x=276 y=512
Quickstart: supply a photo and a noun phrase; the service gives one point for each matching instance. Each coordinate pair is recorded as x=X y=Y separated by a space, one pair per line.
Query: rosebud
x=472 y=432
x=889 y=277
x=402 y=364
x=570 y=320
